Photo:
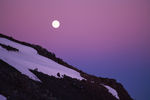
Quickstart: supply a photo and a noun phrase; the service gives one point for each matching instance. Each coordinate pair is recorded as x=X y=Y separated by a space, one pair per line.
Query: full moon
x=55 y=24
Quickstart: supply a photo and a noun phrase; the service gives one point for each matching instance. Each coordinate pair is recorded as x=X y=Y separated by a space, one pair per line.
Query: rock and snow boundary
x=2 y=97
x=111 y=90
x=28 y=58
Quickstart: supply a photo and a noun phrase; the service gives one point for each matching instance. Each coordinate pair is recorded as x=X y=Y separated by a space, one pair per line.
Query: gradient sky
x=107 y=38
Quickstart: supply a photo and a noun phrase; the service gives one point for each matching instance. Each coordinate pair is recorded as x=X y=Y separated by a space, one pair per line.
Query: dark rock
x=16 y=86
x=9 y=48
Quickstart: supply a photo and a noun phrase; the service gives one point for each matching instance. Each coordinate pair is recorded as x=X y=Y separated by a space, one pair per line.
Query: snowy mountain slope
x=112 y=91
x=55 y=76
x=27 y=58
x=2 y=97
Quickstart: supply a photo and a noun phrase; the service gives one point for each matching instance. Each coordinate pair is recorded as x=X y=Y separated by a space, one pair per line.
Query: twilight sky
x=107 y=38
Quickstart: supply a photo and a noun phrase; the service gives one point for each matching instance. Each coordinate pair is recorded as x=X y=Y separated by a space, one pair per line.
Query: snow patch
x=2 y=97
x=28 y=58
x=20 y=47
x=112 y=91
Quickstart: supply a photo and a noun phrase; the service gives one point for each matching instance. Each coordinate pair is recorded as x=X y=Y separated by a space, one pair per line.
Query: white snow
x=112 y=91
x=2 y=97
x=28 y=58
x=22 y=48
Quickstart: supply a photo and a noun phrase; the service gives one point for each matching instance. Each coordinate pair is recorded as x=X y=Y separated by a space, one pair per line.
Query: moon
x=55 y=24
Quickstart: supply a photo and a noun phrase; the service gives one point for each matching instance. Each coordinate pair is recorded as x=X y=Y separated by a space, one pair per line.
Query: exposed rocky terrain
x=15 y=85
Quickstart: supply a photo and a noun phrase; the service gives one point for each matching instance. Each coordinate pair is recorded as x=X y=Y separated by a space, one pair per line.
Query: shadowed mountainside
x=17 y=86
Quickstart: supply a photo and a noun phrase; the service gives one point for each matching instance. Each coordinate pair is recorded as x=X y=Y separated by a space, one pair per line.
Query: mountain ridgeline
x=30 y=72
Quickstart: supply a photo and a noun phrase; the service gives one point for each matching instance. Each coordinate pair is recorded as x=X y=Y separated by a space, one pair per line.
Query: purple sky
x=108 y=38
